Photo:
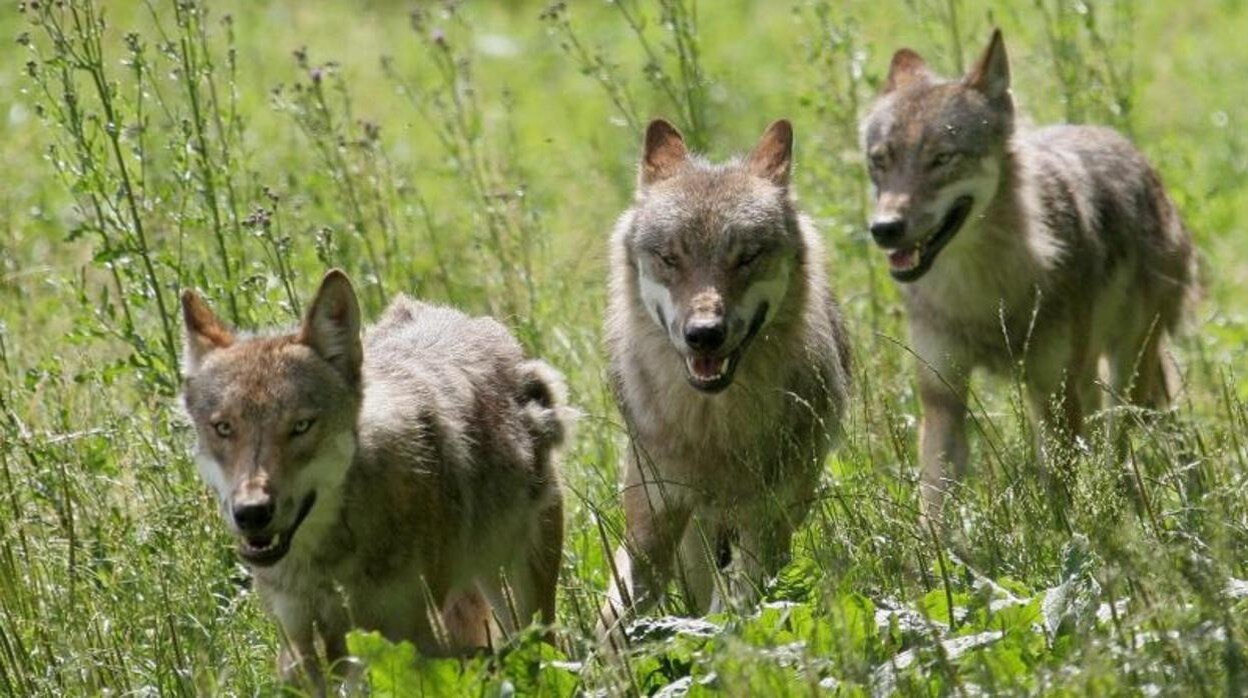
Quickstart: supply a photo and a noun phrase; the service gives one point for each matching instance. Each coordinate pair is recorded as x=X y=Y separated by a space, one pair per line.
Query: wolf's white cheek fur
x=329 y=468
x=657 y=299
x=980 y=186
x=213 y=475
x=325 y=474
x=770 y=290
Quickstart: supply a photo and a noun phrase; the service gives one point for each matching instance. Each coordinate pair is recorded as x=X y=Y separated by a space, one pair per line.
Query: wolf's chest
x=993 y=334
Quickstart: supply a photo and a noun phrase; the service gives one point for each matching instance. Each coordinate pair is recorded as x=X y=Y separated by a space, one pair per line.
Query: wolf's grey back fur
x=1108 y=209
x=468 y=387
x=453 y=479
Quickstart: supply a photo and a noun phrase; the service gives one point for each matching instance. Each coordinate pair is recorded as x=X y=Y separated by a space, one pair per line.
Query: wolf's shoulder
x=1089 y=161
x=1080 y=140
x=430 y=326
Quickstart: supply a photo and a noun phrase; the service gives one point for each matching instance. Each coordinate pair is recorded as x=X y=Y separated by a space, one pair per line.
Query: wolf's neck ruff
x=995 y=272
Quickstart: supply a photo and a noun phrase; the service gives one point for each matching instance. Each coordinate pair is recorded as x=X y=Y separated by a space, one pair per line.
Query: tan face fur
x=274 y=416
x=714 y=248
x=934 y=151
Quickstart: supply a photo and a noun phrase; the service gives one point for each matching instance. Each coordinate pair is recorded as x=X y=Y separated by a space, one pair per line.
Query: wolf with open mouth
x=403 y=483
x=730 y=365
x=1046 y=248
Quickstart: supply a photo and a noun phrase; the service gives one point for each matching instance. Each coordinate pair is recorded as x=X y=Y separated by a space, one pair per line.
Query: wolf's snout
x=705 y=334
x=889 y=231
x=253 y=515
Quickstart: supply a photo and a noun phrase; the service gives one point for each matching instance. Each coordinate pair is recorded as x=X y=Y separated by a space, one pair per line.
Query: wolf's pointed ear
x=204 y=332
x=665 y=152
x=332 y=326
x=907 y=68
x=991 y=73
x=772 y=158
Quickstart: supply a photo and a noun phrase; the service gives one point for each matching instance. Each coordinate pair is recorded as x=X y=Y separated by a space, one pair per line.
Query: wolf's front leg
x=295 y=610
x=1060 y=382
x=764 y=548
x=332 y=623
x=297 y=663
x=702 y=554
x=541 y=570
x=525 y=588
x=942 y=434
x=656 y=514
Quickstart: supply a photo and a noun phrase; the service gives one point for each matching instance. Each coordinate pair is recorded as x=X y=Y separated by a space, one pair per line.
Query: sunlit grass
x=480 y=158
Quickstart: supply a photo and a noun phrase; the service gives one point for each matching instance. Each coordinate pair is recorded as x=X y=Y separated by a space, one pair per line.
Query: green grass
x=480 y=158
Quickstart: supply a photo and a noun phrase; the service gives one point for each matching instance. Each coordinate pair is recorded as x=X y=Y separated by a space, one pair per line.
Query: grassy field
x=478 y=154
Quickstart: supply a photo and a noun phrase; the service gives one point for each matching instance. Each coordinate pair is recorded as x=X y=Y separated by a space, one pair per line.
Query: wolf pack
x=403 y=476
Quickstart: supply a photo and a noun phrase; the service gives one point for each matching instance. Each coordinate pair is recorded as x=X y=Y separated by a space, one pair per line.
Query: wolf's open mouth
x=710 y=373
x=909 y=263
x=265 y=551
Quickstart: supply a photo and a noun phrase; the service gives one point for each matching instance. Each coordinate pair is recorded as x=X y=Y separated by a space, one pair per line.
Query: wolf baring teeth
x=1054 y=247
x=730 y=365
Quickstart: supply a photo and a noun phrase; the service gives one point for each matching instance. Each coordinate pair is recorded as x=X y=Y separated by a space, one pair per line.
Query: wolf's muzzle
x=711 y=371
x=909 y=263
x=264 y=550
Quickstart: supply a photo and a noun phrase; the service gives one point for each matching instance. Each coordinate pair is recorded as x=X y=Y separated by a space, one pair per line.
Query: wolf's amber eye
x=878 y=160
x=748 y=258
x=668 y=261
x=942 y=159
x=301 y=427
x=223 y=428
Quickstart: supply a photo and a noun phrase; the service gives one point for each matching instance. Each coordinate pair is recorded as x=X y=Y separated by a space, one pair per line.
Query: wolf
x=1043 y=249
x=730 y=364
x=404 y=483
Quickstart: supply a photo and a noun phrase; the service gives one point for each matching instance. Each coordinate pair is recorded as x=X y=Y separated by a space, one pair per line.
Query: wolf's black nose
x=888 y=232
x=253 y=516
x=705 y=335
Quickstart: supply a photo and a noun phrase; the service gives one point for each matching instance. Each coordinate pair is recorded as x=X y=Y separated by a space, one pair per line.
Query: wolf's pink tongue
x=707 y=366
x=903 y=259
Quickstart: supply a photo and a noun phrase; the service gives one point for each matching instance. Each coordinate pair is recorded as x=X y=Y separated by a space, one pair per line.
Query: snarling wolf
x=405 y=483
x=1045 y=249
x=730 y=366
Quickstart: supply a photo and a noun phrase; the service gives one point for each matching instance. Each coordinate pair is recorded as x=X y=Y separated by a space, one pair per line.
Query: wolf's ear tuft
x=665 y=152
x=772 y=158
x=203 y=334
x=332 y=326
x=991 y=73
x=907 y=68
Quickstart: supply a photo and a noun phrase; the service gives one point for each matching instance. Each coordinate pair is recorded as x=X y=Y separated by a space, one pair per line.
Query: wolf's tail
x=543 y=398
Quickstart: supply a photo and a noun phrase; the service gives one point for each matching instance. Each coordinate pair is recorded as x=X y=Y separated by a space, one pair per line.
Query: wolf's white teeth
x=707 y=368
x=264 y=547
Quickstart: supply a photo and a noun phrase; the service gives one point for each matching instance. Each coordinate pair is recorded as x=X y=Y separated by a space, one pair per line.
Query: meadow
x=477 y=154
